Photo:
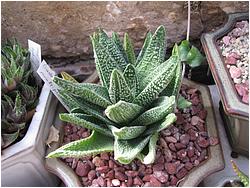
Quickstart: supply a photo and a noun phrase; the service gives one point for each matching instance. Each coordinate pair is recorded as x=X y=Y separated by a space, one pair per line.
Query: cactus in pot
x=18 y=97
x=135 y=101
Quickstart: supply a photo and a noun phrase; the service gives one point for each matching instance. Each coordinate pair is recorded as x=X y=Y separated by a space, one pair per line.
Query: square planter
x=215 y=161
x=234 y=112
x=23 y=162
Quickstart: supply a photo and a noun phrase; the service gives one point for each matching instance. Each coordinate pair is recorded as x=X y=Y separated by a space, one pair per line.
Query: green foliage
x=18 y=96
x=243 y=177
x=183 y=103
x=134 y=102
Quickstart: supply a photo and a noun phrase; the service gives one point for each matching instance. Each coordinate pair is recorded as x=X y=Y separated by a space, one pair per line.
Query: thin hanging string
x=187 y=38
x=188 y=33
x=188 y=24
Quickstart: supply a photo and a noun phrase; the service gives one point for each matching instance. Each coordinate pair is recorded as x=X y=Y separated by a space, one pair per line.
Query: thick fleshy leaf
x=184 y=48
x=96 y=143
x=107 y=56
x=119 y=89
x=154 y=54
x=127 y=150
x=67 y=76
x=194 y=57
x=112 y=49
x=129 y=49
x=123 y=112
x=127 y=133
x=161 y=107
x=118 y=43
x=157 y=127
x=86 y=121
x=157 y=81
x=174 y=85
x=183 y=103
x=144 y=47
x=131 y=79
x=93 y=93
x=9 y=138
x=149 y=158
x=74 y=102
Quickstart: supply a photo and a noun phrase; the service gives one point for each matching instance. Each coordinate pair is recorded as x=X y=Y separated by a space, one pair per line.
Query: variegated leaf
x=119 y=89
x=96 y=143
x=157 y=127
x=93 y=93
x=125 y=151
x=129 y=49
x=86 y=121
x=127 y=133
x=149 y=157
x=161 y=107
x=123 y=112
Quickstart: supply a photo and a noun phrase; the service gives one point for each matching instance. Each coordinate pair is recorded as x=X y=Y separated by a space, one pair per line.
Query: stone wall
x=63 y=28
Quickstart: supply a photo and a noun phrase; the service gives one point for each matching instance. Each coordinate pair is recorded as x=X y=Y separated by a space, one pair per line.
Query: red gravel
x=180 y=148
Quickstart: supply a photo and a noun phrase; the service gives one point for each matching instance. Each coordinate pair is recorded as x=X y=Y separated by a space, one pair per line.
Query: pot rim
x=230 y=99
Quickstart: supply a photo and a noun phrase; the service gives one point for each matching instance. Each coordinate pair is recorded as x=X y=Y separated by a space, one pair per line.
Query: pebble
x=82 y=169
x=120 y=176
x=171 y=168
x=235 y=47
x=184 y=139
x=171 y=139
x=213 y=141
x=180 y=146
x=231 y=60
x=154 y=182
x=161 y=176
x=202 y=142
x=137 y=181
x=226 y=40
x=116 y=182
x=173 y=180
x=97 y=161
x=181 y=173
x=172 y=146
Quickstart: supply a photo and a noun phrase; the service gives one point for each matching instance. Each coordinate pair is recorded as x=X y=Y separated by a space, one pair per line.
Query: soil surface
x=235 y=47
x=180 y=148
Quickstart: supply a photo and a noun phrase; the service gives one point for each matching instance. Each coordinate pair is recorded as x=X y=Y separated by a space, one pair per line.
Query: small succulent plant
x=134 y=102
x=17 y=97
x=243 y=177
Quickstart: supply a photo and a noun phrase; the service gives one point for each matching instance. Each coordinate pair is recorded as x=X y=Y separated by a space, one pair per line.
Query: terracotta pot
x=235 y=113
x=215 y=161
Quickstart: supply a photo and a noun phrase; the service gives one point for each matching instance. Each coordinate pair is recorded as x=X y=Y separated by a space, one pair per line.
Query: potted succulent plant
x=134 y=103
x=22 y=118
x=227 y=54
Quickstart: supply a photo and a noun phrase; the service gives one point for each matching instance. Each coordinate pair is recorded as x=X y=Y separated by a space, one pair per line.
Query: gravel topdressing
x=234 y=48
x=180 y=148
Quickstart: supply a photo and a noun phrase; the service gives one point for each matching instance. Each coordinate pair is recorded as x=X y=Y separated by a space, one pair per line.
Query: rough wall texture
x=63 y=28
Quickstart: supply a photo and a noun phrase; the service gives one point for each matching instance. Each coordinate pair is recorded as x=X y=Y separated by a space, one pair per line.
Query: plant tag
x=46 y=74
x=35 y=59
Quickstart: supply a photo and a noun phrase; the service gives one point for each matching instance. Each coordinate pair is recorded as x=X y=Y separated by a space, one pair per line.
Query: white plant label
x=35 y=59
x=46 y=74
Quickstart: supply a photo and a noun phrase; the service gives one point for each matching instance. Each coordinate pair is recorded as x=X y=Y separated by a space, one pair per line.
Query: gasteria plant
x=134 y=102
x=18 y=97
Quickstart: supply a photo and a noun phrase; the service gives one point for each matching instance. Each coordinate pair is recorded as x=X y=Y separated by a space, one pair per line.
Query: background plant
x=19 y=93
x=135 y=100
